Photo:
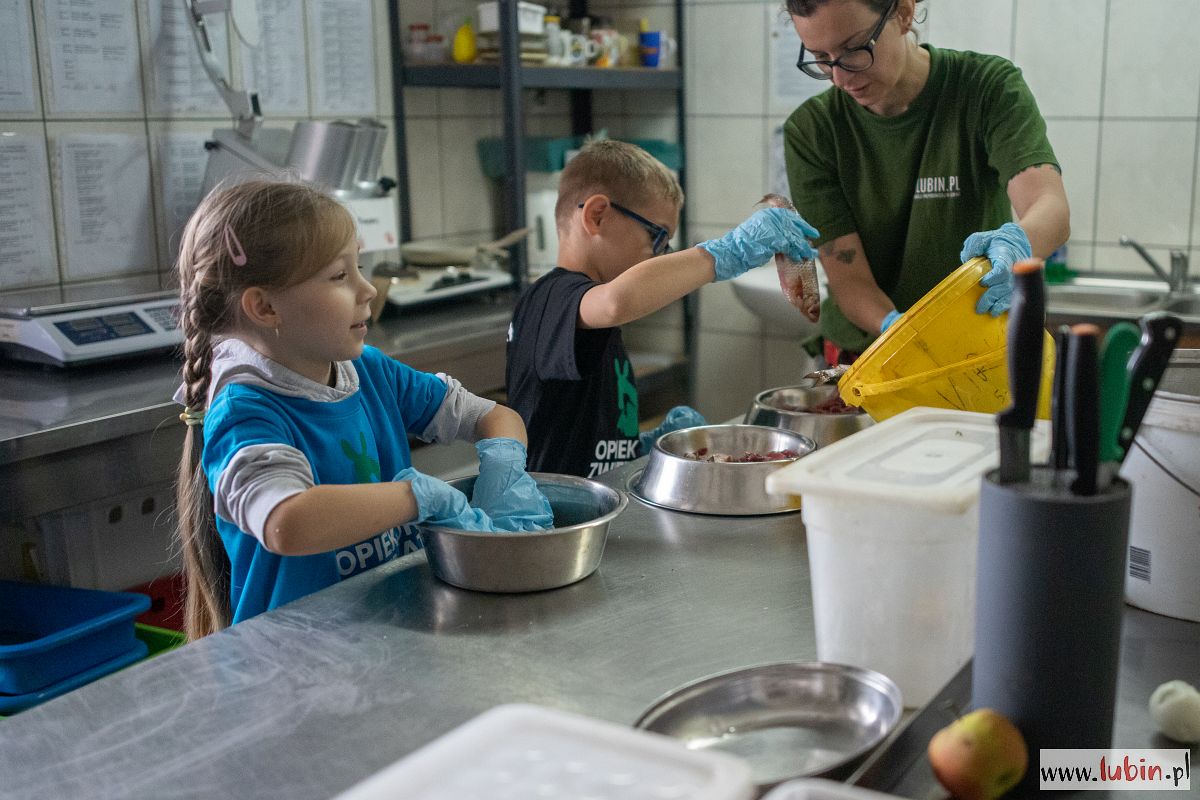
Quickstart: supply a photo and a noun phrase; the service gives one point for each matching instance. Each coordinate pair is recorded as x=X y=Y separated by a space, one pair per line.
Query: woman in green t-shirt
x=911 y=163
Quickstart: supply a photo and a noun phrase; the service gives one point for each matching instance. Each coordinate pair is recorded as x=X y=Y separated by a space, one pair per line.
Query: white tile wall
x=1118 y=83
x=147 y=119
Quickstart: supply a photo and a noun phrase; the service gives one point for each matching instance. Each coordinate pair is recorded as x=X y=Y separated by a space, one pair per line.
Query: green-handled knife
x=1119 y=343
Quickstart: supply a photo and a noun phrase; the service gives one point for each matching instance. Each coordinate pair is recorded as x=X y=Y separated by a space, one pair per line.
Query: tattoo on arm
x=845 y=256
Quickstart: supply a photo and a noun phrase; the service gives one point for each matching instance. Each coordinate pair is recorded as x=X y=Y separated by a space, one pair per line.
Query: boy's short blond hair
x=625 y=172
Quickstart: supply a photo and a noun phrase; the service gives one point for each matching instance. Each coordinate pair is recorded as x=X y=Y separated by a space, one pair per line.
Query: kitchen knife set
x=1102 y=387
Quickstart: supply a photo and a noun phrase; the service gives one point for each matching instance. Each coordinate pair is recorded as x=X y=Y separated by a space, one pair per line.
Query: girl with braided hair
x=296 y=427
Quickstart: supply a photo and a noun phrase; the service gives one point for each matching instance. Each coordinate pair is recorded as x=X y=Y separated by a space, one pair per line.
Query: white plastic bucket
x=1163 y=571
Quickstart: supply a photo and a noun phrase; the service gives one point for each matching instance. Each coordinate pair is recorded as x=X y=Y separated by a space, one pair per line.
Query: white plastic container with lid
x=892 y=521
x=1163 y=571
x=518 y=752
x=531 y=18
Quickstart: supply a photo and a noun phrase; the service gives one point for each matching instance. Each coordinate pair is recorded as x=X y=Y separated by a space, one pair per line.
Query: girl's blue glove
x=1004 y=247
x=504 y=490
x=440 y=504
x=677 y=418
x=756 y=241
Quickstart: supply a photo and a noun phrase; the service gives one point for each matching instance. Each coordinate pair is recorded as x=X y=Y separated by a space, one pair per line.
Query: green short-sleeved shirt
x=915 y=185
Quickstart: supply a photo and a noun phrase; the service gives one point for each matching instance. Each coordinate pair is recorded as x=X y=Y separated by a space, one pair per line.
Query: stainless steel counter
x=305 y=701
x=86 y=435
x=44 y=411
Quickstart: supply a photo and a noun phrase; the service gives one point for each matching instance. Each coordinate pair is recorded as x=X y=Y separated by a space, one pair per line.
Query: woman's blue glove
x=1004 y=247
x=439 y=503
x=676 y=419
x=753 y=243
x=504 y=490
x=888 y=319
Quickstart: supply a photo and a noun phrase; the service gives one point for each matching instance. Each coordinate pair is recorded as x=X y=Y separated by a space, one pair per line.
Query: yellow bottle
x=464 y=48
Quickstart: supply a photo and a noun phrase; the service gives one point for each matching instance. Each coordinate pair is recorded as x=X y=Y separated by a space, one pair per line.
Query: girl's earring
x=276 y=331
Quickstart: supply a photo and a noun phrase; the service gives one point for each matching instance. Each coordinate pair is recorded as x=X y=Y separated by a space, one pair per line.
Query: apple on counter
x=979 y=756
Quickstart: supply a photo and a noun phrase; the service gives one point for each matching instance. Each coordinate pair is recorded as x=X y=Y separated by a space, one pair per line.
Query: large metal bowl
x=671 y=480
x=769 y=409
x=533 y=561
x=789 y=719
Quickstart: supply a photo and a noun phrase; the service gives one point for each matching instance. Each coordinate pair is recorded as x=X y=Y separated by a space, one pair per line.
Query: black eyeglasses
x=660 y=236
x=856 y=59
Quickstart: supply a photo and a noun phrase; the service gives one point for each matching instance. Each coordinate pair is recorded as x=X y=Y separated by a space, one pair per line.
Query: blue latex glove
x=676 y=419
x=1004 y=247
x=439 y=503
x=504 y=490
x=756 y=241
x=888 y=319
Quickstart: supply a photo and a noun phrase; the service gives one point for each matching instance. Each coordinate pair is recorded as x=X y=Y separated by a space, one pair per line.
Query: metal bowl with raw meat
x=719 y=469
x=535 y=560
x=814 y=411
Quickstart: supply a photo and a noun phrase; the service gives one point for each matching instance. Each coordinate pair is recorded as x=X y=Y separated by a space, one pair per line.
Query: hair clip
x=190 y=418
x=236 y=252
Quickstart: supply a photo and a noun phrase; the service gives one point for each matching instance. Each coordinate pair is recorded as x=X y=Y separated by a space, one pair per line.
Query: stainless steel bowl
x=533 y=561
x=788 y=719
x=672 y=481
x=824 y=429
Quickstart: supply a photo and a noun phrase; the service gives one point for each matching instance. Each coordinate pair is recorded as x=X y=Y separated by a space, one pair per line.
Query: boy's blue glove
x=888 y=319
x=1004 y=247
x=676 y=419
x=504 y=490
x=755 y=242
x=439 y=503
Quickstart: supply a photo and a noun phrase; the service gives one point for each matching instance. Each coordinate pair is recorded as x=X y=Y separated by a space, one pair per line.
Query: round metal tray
x=788 y=719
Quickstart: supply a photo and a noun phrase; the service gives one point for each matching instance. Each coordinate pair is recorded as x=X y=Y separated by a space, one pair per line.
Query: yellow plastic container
x=941 y=354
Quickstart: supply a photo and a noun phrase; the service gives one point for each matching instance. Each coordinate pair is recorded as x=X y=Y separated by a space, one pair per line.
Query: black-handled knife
x=1083 y=406
x=1026 y=318
x=1060 y=452
x=1160 y=333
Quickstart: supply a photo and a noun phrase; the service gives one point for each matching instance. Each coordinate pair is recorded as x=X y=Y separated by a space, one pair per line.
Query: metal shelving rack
x=511 y=78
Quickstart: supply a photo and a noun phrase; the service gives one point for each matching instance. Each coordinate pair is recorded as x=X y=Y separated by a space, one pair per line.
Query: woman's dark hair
x=802 y=8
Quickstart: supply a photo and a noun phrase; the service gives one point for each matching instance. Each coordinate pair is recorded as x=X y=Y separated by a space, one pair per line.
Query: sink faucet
x=1177 y=278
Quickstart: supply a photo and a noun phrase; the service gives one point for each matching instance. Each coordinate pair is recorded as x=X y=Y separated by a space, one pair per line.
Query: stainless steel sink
x=1184 y=306
x=1103 y=298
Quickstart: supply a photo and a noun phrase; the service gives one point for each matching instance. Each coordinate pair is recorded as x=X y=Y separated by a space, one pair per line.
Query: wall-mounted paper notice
x=276 y=68
x=178 y=81
x=17 y=90
x=341 y=45
x=93 y=56
x=26 y=225
x=789 y=86
x=181 y=159
x=104 y=189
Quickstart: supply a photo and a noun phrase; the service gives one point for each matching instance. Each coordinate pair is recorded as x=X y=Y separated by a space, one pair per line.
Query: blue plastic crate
x=12 y=703
x=49 y=633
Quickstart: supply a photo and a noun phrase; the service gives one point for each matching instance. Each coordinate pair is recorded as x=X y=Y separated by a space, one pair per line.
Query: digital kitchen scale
x=64 y=334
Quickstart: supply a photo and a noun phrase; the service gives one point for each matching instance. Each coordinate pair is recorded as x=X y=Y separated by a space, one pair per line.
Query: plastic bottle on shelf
x=464 y=49
x=554 y=43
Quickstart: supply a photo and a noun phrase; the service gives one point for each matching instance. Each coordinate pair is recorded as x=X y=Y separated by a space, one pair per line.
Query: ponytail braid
x=205 y=563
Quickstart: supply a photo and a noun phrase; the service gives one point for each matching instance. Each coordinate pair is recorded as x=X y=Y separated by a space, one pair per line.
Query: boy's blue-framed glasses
x=660 y=236
x=856 y=59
